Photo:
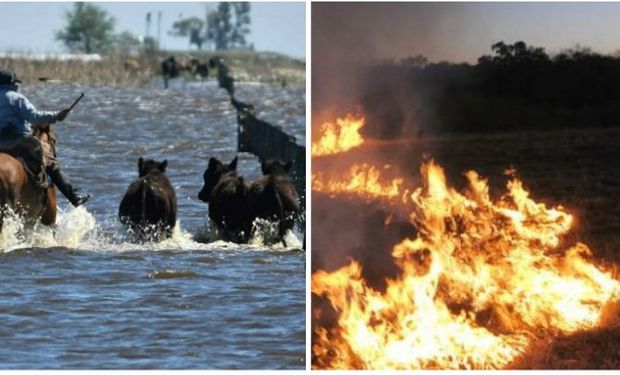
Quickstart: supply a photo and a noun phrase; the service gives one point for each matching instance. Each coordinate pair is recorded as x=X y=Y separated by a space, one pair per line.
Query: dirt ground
x=578 y=169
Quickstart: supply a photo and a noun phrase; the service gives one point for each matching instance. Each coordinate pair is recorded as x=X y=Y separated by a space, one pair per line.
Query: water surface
x=90 y=297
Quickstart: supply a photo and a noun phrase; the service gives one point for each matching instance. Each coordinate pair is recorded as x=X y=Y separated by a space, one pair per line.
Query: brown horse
x=20 y=192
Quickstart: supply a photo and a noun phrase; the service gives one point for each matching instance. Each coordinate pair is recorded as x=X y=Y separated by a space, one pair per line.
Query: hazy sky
x=459 y=31
x=276 y=27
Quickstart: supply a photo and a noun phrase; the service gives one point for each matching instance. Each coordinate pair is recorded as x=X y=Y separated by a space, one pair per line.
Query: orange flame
x=339 y=137
x=479 y=280
x=362 y=180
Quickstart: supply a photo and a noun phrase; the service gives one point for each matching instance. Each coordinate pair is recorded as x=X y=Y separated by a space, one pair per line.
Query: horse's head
x=214 y=172
x=46 y=135
x=275 y=166
x=146 y=166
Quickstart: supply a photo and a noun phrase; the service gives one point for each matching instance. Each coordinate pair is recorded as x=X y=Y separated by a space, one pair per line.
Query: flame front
x=363 y=180
x=480 y=280
x=339 y=137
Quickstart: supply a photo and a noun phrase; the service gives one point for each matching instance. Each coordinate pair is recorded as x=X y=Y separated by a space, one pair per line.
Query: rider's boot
x=66 y=188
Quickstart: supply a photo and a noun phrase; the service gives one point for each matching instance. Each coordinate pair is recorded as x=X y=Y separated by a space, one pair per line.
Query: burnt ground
x=578 y=169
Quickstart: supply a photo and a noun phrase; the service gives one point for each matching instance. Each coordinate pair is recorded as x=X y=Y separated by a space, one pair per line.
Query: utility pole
x=210 y=43
x=159 y=29
x=148 y=24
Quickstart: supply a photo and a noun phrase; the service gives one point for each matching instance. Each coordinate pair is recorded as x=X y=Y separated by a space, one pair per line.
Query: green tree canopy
x=126 y=43
x=89 y=29
x=220 y=26
x=242 y=24
x=517 y=53
x=191 y=27
x=227 y=26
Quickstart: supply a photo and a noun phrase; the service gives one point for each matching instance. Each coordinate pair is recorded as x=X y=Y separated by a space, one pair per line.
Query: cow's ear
x=213 y=163
x=140 y=164
x=233 y=164
x=163 y=165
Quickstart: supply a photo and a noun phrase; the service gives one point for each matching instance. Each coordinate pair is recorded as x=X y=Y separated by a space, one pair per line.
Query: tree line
x=90 y=29
x=515 y=87
x=226 y=27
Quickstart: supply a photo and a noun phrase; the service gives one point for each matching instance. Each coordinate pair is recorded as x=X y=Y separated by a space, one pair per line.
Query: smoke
x=368 y=236
x=348 y=37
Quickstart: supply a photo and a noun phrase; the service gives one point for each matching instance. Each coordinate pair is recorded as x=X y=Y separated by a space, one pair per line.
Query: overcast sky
x=26 y=27
x=459 y=31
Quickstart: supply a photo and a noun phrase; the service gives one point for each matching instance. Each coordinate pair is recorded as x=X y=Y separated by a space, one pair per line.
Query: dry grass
x=245 y=66
x=265 y=67
x=598 y=348
x=578 y=169
x=110 y=71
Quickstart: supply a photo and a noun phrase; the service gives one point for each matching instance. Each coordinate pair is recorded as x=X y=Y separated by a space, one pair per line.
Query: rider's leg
x=52 y=167
x=65 y=187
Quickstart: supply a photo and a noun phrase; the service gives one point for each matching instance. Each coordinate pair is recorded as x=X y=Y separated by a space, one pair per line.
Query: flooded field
x=91 y=297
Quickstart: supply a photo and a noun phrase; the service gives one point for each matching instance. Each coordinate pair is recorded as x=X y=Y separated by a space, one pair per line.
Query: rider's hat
x=8 y=77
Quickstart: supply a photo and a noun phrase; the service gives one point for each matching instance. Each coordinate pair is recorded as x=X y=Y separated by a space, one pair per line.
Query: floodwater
x=91 y=297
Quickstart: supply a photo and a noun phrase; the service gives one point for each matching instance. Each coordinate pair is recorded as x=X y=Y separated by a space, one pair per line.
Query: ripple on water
x=172 y=274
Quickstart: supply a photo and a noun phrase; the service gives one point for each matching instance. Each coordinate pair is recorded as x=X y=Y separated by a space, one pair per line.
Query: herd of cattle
x=173 y=67
x=149 y=206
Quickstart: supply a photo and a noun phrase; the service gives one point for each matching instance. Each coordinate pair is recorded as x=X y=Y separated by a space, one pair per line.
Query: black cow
x=227 y=195
x=149 y=206
x=274 y=197
x=199 y=68
x=170 y=68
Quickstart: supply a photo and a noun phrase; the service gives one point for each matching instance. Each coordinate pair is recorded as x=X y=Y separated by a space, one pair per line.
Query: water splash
x=78 y=229
x=265 y=232
x=11 y=233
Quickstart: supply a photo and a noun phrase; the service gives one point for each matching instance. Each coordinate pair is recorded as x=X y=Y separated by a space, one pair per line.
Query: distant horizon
x=457 y=32
x=551 y=54
x=188 y=51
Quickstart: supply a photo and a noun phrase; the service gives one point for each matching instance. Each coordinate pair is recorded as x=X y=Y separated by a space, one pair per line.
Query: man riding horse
x=18 y=119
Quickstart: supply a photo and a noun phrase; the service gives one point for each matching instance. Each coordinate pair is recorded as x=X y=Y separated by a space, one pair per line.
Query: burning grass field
x=489 y=306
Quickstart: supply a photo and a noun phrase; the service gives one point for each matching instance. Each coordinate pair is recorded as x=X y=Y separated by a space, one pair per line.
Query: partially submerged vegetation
x=108 y=71
x=246 y=66
x=252 y=66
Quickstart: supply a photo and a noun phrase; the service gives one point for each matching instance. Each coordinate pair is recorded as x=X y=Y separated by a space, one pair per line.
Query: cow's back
x=269 y=192
x=228 y=205
x=150 y=201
